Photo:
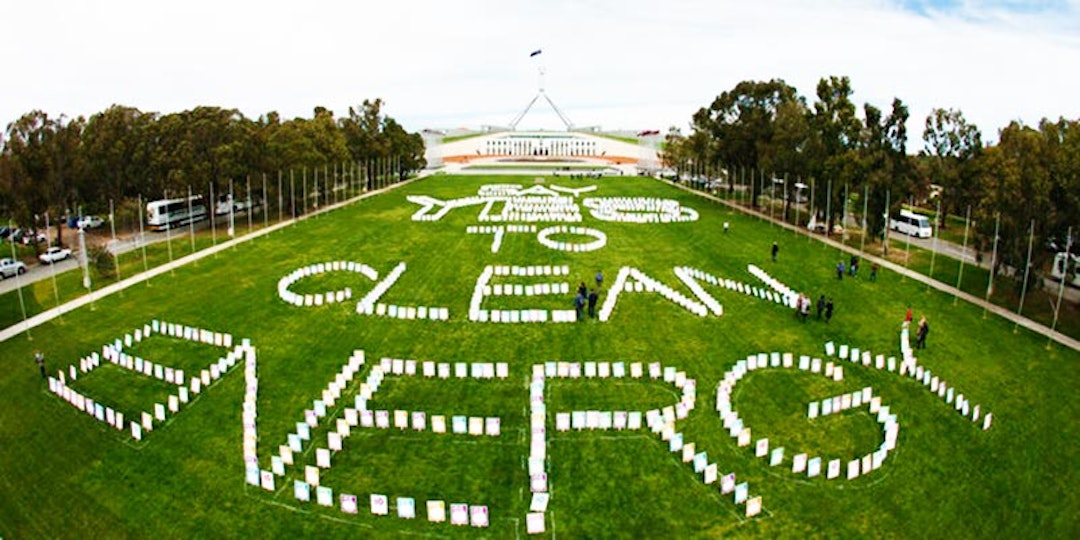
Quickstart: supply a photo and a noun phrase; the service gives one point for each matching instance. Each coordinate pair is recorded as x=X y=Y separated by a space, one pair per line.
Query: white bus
x=912 y=224
x=169 y=213
x=1060 y=272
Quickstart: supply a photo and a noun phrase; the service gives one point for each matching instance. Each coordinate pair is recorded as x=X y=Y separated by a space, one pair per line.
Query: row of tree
x=1031 y=174
x=52 y=165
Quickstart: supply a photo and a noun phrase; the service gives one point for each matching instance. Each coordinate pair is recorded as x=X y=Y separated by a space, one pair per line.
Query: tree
x=117 y=152
x=43 y=167
x=675 y=149
x=741 y=123
x=408 y=148
x=953 y=146
x=835 y=131
x=787 y=151
x=1018 y=186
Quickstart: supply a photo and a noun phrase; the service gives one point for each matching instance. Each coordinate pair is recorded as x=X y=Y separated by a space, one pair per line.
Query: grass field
x=540 y=166
x=65 y=475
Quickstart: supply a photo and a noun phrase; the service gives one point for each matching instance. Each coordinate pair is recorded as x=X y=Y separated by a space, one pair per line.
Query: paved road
x=959 y=252
x=37 y=272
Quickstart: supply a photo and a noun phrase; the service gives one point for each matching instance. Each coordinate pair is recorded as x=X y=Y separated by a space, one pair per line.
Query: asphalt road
x=37 y=271
x=956 y=251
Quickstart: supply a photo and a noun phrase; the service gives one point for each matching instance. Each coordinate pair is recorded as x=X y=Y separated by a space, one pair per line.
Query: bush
x=102 y=262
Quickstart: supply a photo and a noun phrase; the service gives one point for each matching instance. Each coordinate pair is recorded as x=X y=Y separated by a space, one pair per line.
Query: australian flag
x=534 y=53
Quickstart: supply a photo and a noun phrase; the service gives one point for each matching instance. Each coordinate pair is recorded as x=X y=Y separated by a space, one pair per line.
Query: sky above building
x=626 y=64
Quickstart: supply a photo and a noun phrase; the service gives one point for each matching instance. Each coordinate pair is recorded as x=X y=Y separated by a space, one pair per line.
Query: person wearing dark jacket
x=924 y=329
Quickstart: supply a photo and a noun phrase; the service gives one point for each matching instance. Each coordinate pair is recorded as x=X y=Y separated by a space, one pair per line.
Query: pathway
x=46 y=316
x=1063 y=339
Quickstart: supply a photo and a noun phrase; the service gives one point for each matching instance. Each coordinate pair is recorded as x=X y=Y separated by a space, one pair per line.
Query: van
x=1062 y=272
x=912 y=224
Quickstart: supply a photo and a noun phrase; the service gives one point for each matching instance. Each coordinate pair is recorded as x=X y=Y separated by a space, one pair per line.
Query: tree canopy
x=53 y=164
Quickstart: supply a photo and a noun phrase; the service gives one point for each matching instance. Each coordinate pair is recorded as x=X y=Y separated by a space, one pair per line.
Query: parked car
x=54 y=254
x=11 y=268
x=31 y=239
x=1057 y=245
x=89 y=222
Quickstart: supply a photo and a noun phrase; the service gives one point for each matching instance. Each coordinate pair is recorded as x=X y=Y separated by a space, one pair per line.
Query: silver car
x=11 y=268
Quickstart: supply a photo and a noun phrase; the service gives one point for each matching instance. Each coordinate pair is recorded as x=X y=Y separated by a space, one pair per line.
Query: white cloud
x=631 y=64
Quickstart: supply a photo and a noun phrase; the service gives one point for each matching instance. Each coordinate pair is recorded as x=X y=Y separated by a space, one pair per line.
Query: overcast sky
x=630 y=64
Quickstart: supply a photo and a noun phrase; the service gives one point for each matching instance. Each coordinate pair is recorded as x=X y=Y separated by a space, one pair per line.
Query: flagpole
x=213 y=216
x=828 y=210
x=116 y=246
x=993 y=264
x=250 y=203
x=865 y=203
x=907 y=248
x=168 y=231
x=1061 y=286
x=963 y=253
x=933 y=249
x=191 y=220
x=142 y=240
x=813 y=215
x=1027 y=269
x=232 y=205
x=18 y=281
x=52 y=267
x=266 y=205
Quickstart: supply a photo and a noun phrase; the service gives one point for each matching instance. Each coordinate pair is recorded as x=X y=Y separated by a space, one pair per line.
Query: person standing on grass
x=840 y=270
x=853 y=265
x=39 y=359
x=828 y=310
x=581 y=290
x=924 y=329
x=775 y=251
x=579 y=305
x=873 y=271
x=820 y=306
x=593 y=297
x=599 y=278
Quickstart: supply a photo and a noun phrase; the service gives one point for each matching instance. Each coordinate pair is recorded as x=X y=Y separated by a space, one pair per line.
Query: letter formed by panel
x=662 y=421
x=358 y=413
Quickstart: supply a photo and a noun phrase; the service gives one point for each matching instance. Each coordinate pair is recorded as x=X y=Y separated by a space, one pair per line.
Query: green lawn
x=455 y=138
x=621 y=138
x=538 y=166
x=66 y=475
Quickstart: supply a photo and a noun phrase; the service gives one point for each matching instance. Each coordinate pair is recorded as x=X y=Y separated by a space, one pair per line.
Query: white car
x=89 y=222
x=11 y=268
x=54 y=254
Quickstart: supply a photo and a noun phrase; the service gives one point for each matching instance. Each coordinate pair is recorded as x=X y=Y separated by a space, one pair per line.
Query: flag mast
x=540 y=92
